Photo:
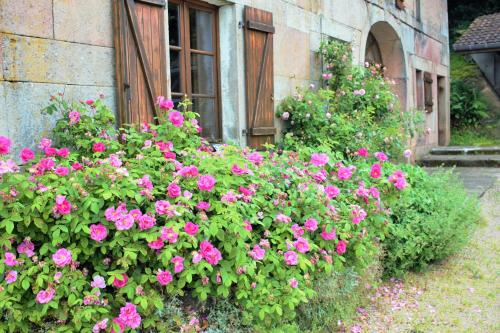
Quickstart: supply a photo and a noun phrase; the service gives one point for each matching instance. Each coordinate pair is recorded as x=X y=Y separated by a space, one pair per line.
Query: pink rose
x=235 y=169
x=206 y=183
x=4 y=145
x=61 y=171
x=45 y=296
x=164 y=103
x=156 y=244
x=120 y=283
x=124 y=222
x=344 y=173
x=98 y=232
x=293 y=283
x=129 y=316
x=376 y=171
x=332 y=191
x=210 y=253
x=319 y=159
x=203 y=205
x=164 y=207
x=62 y=257
x=291 y=258
x=10 y=259
x=173 y=190
x=63 y=152
x=176 y=118
x=257 y=253
x=178 y=264
x=76 y=166
x=121 y=325
x=146 y=221
x=27 y=155
x=363 y=152
x=311 y=224
x=256 y=158
x=26 y=247
x=98 y=282
x=169 y=234
x=164 y=277
x=99 y=147
x=11 y=276
x=301 y=245
x=49 y=151
x=381 y=156
x=44 y=143
x=328 y=235
x=89 y=102
x=191 y=228
x=341 y=247
x=74 y=117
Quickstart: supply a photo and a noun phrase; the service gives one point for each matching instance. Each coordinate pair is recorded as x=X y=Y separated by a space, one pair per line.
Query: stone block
x=25 y=124
x=89 y=22
x=26 y=17
x=291 y=53
x=43 y=60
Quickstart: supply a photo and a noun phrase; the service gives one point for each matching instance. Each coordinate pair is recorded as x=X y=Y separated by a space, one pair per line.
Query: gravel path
x=460 y=294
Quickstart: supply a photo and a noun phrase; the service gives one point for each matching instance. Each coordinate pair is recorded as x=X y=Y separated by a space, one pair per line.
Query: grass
x=471 y=136
x=459 y=294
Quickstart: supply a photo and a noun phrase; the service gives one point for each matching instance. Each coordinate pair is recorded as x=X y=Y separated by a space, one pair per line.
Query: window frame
x=185 y=52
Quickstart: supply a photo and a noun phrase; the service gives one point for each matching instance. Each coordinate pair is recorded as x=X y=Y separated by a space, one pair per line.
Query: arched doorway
x=384 y=46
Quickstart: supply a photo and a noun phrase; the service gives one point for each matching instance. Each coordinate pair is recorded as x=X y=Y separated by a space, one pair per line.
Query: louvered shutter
x=259 y=32
x=140 y=58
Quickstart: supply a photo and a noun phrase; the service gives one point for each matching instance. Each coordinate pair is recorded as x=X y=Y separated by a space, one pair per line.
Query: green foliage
x=431 y=220
x=257 y=199
x=357 y=109
x=467 y=104
x=462 y=68
x=482 y=135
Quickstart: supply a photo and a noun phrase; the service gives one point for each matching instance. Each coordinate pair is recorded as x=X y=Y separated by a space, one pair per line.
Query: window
x=429 y=102
x=419 y=80
x=193 y=47
x=418 y=10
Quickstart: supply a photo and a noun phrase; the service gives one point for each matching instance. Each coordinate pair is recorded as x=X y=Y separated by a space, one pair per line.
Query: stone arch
x=383 y=43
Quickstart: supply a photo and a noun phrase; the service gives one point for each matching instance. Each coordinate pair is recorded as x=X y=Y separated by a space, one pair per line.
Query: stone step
x=485 y=161
x=459 y=150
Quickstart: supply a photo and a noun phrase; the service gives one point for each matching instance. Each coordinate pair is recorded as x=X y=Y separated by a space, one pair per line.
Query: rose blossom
x=319 y=159
x=381 y=156
x=206 y=183
x=173 y=190
x=100 y=325
x=363 y=152
x=45 y=296
x=99 y=147
x=120 y=283
x=98 y=232
x=10 y=259
x=297 y=230
x=301 y=245
x=358 y=214
x=98 y=282
x=341 y=247
x=63 y=152
x=178 y=264
x=146 y=221
x=328 y=235
x=165 y=103
x=210 y=253
x=27 y=154
x=62 y=206
x=344 y=173
x=203 y=205
x=332 y=191
x=156 y=244
x=130 y=316
x=164 y=277
x=376 y=171
x=256 y=158
x=74 y=117
x=4 y=145
x=293 y=283
x=26 y=247
x=169 y=234
x=191 y=228
x=257 y=253
x=11 y=276
x=311 y=224
x=291 y=258
x=176 y=118
x=61 y=171
x=124 y=222
x=62 y=257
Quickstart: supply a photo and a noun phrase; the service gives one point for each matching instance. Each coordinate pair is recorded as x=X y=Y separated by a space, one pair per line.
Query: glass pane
x=173 y=24
x=205 y=107
x=202 y=74
x=175 y=71
x=201 y=29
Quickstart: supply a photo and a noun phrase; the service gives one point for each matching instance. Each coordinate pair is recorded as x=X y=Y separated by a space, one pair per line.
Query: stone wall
x=49 y=47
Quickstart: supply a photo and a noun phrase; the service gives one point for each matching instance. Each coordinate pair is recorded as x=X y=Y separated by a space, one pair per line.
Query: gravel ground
x=460 y=294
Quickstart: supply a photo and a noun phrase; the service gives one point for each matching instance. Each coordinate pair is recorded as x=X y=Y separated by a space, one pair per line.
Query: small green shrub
x=431 y=220
x=467 y=104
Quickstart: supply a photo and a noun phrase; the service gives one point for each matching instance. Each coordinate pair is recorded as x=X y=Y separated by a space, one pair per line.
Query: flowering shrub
x=356 y=108
x=98 y=231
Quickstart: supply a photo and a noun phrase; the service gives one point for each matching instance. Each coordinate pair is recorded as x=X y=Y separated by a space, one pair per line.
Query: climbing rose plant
x=99 y=227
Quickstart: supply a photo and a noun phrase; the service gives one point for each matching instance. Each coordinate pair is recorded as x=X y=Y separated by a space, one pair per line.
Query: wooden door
x=259 y=32
x=140 y=58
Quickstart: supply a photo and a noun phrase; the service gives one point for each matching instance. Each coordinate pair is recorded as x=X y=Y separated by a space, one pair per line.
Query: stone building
x=235 y=59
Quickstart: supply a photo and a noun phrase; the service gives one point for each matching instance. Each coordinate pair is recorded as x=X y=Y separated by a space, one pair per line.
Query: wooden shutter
x=259 y=32
x=140 y=58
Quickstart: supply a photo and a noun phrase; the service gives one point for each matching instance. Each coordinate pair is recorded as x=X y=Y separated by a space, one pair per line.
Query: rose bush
x=100 y=226
x=355 y=109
